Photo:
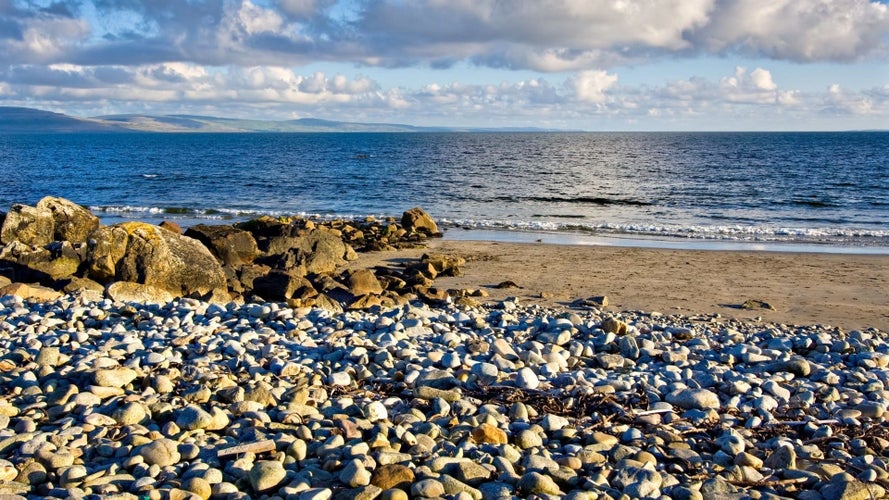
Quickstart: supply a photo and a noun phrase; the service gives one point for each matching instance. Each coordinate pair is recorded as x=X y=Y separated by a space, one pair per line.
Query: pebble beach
x=189 y=399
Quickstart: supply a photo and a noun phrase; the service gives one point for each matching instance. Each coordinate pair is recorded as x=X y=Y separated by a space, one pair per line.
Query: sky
x=564 y=64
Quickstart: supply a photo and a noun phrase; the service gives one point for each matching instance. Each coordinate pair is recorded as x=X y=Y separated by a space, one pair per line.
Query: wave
x=569 y=223
x=583 y=200
x=752 y=233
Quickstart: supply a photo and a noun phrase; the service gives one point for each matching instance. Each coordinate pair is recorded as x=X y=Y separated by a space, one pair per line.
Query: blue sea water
x=827 y=189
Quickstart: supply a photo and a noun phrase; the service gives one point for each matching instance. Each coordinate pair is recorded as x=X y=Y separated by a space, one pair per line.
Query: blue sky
x=574 y=64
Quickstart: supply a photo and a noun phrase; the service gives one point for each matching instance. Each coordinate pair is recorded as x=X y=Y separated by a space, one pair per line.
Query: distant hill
x=30 y=121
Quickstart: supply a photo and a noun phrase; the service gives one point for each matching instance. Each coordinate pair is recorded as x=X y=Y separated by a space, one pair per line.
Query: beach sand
x=841 y=290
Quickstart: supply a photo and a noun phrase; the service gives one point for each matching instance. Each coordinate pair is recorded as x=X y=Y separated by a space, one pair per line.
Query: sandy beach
x=842 y=290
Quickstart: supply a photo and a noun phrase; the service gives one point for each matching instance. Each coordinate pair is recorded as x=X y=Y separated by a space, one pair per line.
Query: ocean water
x=828 y=189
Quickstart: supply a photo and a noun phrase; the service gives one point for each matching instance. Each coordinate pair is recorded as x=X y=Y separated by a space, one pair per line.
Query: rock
x=363 y=282
x=796 y=365
x=161 y=452
x=487 y=433
x=266 y=474
x=199 y=486
x=71 y=222
x=170 y=226
x=614 y=325
x=527 y=379
x=114 y=377
x=392 y=476
x=316 y=251
x=193 y=417
x=131 y=413
x=534 y=483
x=845 y=487
x=44 y=264
x=527 y=438
x=698 y=399
x=444 y=265
x=376 y=411
x=427 y=488
x=416 y=220
x=146 y=254
x=783 y=458
x=31 y=292
x=471 y=473
x=280 y=284
x=354 y=474
x=232 y=246
x=756 y=304
x=128 y=291
x=28 y=225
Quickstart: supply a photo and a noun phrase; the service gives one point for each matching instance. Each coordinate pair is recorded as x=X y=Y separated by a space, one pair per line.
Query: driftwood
x=254 y=447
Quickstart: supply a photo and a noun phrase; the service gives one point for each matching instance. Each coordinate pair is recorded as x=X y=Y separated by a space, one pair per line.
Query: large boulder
x=416 y=220
x=232 y=246
x=29 y=225
x=147 y=254
x=314 y=251
x=72 y=222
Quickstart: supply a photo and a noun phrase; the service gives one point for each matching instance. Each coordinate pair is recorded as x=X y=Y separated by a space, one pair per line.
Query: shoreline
x=842 y=290
x=654 y=242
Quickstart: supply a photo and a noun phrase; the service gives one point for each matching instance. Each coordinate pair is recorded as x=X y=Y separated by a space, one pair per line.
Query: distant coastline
x=18 y=120
x=21 y=120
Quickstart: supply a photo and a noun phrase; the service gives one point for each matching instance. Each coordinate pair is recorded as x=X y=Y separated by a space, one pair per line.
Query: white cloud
x=590 y=86
x=799 y=30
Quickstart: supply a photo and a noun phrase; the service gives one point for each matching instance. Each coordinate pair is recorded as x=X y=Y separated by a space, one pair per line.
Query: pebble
x=266 y=474
x=418 y=401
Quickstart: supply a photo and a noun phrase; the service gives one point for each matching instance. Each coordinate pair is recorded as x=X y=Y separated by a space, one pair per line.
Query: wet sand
x=842 y=290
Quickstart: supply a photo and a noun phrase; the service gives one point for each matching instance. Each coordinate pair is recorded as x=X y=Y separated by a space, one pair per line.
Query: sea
x=771 y=191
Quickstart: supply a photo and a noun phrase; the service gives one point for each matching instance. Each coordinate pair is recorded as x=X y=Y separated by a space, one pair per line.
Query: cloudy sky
x=579 y=64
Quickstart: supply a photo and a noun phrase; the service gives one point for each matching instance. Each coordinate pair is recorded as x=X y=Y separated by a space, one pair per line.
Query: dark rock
x=46 y=264
x=756 y=304
x=446 y=265
x=232 y=246
x=416 y=220
x=29 y=225
x=279 y=284
x=72 y=222
x=142 y=253
x=247 y=275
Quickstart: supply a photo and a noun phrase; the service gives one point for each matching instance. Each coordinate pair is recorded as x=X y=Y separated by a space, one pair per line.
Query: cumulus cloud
x=545 y=35
x=590 y=86
x=805 y=31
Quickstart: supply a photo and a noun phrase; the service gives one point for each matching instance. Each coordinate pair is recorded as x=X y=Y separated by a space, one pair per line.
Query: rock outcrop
x=290 y=259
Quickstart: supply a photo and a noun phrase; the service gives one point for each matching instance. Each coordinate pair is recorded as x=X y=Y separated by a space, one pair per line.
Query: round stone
x=527 y=379
x=694 y=399
x=266 y=474
x=162 y=452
